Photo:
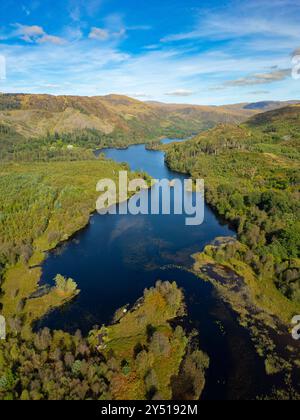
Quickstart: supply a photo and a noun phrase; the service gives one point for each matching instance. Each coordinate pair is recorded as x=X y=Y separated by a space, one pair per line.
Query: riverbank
x=56 y=201
x=258 y=275
x=258 y=197
x=270 y=332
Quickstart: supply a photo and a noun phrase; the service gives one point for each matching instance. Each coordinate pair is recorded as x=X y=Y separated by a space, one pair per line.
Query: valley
x=43 y=125
x=251 y=170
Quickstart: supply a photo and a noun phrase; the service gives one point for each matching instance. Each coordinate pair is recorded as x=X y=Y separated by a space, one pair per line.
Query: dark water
x=116 y=257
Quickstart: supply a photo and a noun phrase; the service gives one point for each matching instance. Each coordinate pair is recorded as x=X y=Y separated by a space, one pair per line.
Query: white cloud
x=92 y=69
x=99 y=34
x=114 y=29
x=276 y=19
x=140 y=95
x=196 y=74
x=28 y=33
x=180 y=92
x=51 y=40
x=32 y=34
x=261 y=78
x=115 y=26
x=97 y=69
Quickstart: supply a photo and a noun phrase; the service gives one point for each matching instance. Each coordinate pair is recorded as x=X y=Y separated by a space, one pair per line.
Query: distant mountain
x=269 y=105
x=112 y=116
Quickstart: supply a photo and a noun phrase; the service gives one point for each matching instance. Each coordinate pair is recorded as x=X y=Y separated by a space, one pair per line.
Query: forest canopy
x=252 y=175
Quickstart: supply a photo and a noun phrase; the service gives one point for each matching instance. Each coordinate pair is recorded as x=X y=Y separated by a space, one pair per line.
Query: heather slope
x=113 y=115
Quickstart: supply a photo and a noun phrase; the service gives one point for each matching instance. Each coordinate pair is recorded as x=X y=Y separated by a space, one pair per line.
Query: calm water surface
x=116 y=257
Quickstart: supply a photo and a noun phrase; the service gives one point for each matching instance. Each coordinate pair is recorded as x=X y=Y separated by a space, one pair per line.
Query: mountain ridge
x=35 y=115
x=111 y=120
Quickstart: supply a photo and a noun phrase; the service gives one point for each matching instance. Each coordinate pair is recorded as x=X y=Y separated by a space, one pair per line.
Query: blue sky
x=184 y=51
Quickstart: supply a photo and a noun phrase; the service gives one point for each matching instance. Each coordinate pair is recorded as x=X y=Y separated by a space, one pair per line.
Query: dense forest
x=139 y=356
x=48 y=193
x=252 y=175
x=43 y=204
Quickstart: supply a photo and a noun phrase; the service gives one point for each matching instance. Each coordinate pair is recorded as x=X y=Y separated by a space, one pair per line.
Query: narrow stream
x=116 y=257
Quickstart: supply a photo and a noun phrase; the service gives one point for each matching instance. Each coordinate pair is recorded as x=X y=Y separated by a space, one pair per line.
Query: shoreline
x=270 y=335
x=35 y=264
x=26 y=277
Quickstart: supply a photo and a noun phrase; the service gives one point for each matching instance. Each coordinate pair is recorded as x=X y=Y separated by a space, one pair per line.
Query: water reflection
x=117 y=256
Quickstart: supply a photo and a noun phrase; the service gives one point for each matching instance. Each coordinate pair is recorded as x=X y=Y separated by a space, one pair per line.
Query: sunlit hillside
x=37 y=115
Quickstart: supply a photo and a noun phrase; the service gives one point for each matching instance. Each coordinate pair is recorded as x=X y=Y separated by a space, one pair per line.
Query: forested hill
x=252 y=174
x=284 y=121
x=109 y=120
x=275 y=131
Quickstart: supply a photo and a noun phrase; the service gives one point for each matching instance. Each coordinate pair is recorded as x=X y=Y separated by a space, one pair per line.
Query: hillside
x=252 y=180
x=269 y=105
x=110 y=120
x=280 y=121
x=276 y=132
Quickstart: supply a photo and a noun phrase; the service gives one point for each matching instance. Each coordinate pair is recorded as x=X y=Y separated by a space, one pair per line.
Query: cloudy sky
x=184 y=51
